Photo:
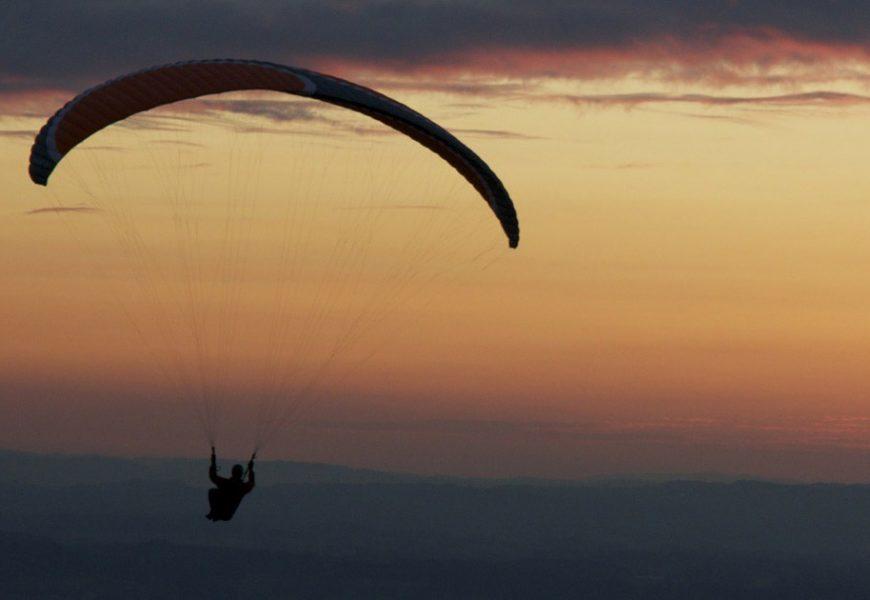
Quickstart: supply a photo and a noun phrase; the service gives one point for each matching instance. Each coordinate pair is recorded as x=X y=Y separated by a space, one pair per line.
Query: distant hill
x=97 y=527
x=62 y=469
x=338 y=511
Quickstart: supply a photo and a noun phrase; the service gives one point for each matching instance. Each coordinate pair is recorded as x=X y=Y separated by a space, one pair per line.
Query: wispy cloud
x=62 y=209
x=394 y=207
x=278 y=111
x=626 y=166
x=21 y=134
x=185 y=143
x=497 y=133
x=739 y=120
x=817 y=98
x=481 y=87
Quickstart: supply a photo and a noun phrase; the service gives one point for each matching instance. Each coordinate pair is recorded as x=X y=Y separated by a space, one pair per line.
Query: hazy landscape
x=87 y=526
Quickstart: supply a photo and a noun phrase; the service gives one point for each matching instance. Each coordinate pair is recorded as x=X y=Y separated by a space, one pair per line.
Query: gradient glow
x=690 y=294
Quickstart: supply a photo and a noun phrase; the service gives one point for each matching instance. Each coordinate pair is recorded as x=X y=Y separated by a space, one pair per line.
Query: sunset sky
x=689 y=295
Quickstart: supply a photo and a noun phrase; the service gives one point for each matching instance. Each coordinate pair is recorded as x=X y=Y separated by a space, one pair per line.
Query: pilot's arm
x=250 y=484
x=212 y=470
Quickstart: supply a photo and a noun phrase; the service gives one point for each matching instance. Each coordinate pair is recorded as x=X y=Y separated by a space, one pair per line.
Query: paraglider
x=225 y=497
x=212 y=297
x=119 y=98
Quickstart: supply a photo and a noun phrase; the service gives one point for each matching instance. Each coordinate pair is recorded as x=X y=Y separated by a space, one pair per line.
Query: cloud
x=157 y=121
x=496 y=133
x=294 y=111
x=65 y=45
x=752 y=108
x=460 y=86
x=817 y=98
x=278 y=111
x=394 y=207
x=722 y=118
x=23 y=134
x=627 y=166
x=62 y=209
x=185 y=143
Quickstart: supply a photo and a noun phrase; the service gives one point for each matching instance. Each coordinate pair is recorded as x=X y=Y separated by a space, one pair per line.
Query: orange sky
x=687 y=295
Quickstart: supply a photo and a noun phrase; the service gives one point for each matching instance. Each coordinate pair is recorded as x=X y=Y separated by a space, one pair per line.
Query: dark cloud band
x=61 y=44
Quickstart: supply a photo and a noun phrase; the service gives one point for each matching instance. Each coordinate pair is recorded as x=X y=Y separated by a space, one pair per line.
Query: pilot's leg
x=212 y=500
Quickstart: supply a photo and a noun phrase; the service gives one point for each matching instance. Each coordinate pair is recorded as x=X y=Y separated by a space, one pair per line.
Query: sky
x=688 y=295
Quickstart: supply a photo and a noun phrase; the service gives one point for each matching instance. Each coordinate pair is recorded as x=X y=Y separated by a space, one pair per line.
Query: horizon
x=630 y=478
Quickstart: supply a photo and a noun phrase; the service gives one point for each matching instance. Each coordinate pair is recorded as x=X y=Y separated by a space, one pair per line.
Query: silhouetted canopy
x=119 y=98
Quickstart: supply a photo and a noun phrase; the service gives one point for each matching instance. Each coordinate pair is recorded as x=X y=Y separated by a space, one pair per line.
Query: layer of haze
x=689 y=295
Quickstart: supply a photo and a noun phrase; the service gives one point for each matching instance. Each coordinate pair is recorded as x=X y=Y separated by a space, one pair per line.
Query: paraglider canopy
x=260 y=271
x=119 y=98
